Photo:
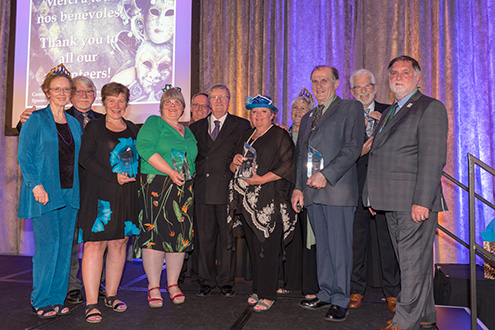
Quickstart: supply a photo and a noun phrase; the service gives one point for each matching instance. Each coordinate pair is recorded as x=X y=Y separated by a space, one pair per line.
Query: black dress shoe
x=314 y=303
x=204 y=290
x=227 y=291
x=74 y=297
x=336 y=313
x=101 y=292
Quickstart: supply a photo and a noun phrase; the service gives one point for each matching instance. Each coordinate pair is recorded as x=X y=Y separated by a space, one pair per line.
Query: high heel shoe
x=154 y=302
x=177 y=296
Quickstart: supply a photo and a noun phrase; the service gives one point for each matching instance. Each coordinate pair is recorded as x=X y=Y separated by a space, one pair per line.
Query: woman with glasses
x=108 y=214
x=168 y=152
x=49 y=145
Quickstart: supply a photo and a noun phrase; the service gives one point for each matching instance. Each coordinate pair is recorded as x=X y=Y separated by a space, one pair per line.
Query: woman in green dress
x=168 y=151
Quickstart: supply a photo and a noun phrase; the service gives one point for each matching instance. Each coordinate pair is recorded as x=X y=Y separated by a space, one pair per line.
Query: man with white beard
x=363 y=88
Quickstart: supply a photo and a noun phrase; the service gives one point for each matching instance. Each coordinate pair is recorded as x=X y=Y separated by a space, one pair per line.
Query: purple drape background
x=271 y=47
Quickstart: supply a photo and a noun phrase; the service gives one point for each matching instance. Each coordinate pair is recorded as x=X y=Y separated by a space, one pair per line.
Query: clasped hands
x=255 y=179
x=418 y=213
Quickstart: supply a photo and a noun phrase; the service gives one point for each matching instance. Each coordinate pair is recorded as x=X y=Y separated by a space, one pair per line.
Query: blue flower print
x=103 y=217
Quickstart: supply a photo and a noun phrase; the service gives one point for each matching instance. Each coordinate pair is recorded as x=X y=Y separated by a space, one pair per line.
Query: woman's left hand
x=124 y=178
x=255 y=179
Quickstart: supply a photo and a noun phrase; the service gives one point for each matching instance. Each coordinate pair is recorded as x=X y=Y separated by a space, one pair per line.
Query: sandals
x=95 y=315
x=253 y=299
x=262 y=305
x=119 y=307
x=177 y=296
x=44 y=311
x=283 y=291
x=61 y=309
x=154 y=302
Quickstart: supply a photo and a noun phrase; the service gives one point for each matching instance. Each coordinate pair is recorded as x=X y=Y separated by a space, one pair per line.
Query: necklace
x=260 y=135
x=60 y=118
x=70 y=133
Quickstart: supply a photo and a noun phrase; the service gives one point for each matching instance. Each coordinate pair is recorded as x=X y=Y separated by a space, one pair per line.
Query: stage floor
x=211 y=312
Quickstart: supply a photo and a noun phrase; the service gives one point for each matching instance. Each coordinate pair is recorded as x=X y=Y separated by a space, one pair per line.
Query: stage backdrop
x=271 y=47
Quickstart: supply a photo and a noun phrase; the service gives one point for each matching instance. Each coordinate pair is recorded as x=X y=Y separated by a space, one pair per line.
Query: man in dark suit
x=217 y=136
x=82 y=100
x=330 y=192
x=363 y=88
x=404 y=180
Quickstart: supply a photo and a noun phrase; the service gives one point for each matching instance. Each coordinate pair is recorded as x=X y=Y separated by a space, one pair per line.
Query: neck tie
x=317 y=115
x=86 y=119
x=370 y=121
x=390 y=114
x=216 y=130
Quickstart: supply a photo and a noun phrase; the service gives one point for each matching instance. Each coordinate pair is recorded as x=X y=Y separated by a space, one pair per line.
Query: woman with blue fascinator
x=264 y=167
x=109 y=204
x=48 y=152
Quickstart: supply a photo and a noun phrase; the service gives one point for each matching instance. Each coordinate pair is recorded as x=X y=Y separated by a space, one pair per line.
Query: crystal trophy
x=246 y=168
x=315 y=161
x=127 y=161
x=181 y=163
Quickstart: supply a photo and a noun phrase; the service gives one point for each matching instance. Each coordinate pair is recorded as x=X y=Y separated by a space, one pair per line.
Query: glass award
x=246 y=168
x=128 y=161
x=181 y=163
x=315 y=161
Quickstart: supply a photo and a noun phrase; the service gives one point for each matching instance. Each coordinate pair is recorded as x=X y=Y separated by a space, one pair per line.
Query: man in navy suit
x=363 y=88
x=405 y=167
x=335 y=129
x=217 y=136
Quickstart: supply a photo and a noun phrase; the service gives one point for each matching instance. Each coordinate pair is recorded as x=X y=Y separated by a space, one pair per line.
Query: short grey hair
x=85 y=81
x=304 y=99
x=219 y=86
x=362 y=72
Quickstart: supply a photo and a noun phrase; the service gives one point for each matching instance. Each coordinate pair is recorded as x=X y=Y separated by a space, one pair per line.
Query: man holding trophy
x=330 y=140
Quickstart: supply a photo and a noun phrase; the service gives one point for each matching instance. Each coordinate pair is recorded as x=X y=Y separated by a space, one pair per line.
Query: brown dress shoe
x=391 y=301
x=390 y=327
x=356 y=300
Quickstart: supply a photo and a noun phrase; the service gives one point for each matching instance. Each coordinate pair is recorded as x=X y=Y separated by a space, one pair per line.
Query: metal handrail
x=474 y=248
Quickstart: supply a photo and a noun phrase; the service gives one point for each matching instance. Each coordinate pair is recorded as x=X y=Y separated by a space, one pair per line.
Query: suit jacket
x=214 y=157
x=38 y=159
x=339 y=137
x=70 y=111
x=407 y=158
x=362 y=162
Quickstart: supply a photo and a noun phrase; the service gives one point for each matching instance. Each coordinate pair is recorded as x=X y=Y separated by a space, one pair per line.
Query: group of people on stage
x=305 y=197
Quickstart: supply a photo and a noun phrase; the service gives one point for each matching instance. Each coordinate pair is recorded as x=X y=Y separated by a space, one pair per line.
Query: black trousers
x=388 y=264
x=212 y=226
x=264 y=260
x=299 y=264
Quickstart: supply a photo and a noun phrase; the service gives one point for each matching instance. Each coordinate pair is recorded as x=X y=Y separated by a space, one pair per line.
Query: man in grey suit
x=330 y=193
x=404 y=180
x=366 y=226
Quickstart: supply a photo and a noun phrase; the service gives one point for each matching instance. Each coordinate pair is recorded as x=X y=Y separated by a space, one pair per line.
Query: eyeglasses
x=172 y=102
x=219 y=97
x=87 y=91
x=58 y=90
x=202 y=106
x=366 y=87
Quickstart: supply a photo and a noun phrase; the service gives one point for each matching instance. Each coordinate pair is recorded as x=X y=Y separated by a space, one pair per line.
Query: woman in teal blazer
x=48 y=151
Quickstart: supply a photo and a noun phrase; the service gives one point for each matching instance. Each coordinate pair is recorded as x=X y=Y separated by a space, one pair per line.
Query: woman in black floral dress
x=168 y=152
